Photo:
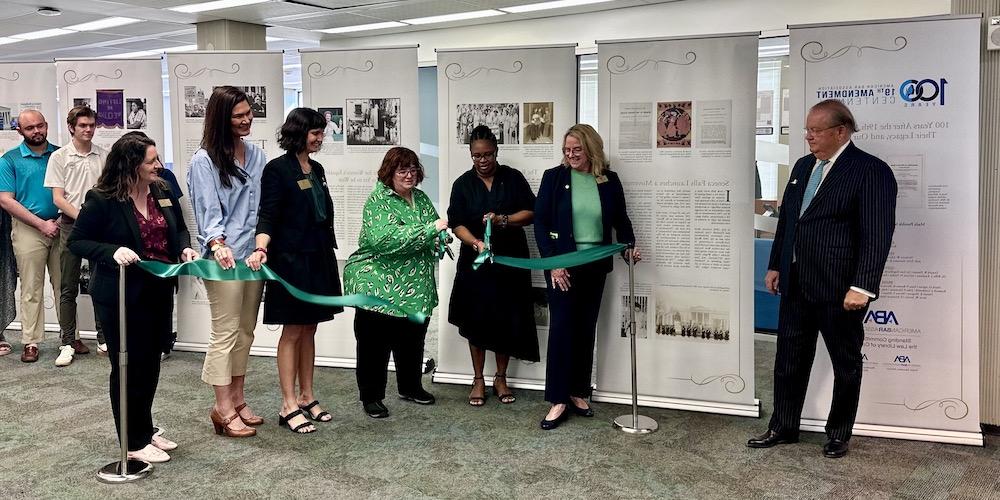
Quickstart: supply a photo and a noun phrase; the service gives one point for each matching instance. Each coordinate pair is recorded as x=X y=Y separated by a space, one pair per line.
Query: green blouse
x=396 y=252
x=588 y=225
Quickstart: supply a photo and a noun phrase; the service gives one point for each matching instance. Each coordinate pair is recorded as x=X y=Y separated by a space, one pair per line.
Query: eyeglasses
x=575 y=151
x=404 y=172
x=484 y=156
x=817 y=131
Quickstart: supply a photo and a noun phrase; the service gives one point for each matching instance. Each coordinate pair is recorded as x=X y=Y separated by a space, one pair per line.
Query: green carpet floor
x=56 y=431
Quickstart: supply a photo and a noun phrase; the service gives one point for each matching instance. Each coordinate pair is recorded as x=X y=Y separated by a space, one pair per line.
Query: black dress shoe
x=375 y=409
x=548 y=425
x=582 y=412
x=772 y=438
x=835 y=448
x=419 y=396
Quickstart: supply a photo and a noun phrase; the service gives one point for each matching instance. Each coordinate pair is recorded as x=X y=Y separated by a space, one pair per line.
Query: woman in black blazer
x=131 y=215
x=295 y=237
x=579 y=203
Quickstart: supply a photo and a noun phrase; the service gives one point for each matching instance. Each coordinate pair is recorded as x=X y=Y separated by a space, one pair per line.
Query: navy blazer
x=554 y=214
x=843 y=237
x=106 y=224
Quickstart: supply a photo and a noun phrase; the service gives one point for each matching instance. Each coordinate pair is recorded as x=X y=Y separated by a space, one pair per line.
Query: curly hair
x=397 y=158
x=294 y=133
x=121 y=170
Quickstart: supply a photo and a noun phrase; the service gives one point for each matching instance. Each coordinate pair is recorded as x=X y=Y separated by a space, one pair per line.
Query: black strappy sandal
x=320 y=417
x=284 y=422
x=507 y=397
x=477 y=401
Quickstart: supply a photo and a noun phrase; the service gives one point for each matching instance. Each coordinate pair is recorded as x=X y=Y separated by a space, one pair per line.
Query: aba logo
x=882 y=317
x=902 y=360
x=925 y=90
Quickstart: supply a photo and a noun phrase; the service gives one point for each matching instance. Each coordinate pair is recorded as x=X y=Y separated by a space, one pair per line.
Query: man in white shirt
x=74 y=169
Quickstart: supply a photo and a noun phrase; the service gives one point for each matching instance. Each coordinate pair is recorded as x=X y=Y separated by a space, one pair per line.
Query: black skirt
x=313 y=272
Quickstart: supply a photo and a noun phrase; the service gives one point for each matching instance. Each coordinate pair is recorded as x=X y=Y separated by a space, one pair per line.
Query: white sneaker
x=65 y=355
x=150 y=454
x=102 y=349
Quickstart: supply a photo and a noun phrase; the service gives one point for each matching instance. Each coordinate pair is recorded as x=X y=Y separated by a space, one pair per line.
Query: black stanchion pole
x=633 y=423
x=123 y=470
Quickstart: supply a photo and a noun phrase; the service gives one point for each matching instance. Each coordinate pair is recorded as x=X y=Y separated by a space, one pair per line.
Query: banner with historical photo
x=127 y=95
x=678 y=117
x=27 y=85
x=527 y=96
x=193 y=76
x=913 y=86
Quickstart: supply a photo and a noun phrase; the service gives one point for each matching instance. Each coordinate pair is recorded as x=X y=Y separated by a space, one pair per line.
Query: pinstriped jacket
x=843 y=237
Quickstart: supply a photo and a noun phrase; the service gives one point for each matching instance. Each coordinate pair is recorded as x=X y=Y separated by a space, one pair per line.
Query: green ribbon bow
x=572 y=259
x=210 y=270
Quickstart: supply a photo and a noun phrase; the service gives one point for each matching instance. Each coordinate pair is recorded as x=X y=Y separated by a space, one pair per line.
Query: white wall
x=687 y=17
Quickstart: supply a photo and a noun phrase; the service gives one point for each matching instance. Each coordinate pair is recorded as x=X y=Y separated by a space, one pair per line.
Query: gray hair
x=840 y=114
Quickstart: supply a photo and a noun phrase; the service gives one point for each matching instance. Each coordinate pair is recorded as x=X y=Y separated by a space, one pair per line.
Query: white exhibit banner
x=369 y=98
x=127 y=95
x=504 y=88
x=193 y=76
x=678 y=116
x=29 y=85
x=913 y=86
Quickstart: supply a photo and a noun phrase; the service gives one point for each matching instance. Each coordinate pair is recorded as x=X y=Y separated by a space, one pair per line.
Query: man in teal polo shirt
x=35 y=233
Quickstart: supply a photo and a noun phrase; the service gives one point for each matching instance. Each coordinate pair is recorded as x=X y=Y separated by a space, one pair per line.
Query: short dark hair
x=839 y=113
x=482 y=133
x=397 y=158
x=294 y=132
x=82 y=111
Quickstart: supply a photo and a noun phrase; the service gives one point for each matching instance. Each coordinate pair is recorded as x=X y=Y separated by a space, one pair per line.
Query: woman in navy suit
x=132 y=215
x=579 y=203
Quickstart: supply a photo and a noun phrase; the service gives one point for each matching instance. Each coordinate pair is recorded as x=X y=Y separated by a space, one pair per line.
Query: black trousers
x=149 y=321
x=799 y=322
x=379 y=334
x=572 y=331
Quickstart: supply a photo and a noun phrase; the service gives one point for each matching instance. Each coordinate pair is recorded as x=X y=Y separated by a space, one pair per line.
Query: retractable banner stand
x=527 y=96
x=29 y=85
x=913 y=86
x=677 y=116
x=369 y=99
x=193 y=76
x=127 y=95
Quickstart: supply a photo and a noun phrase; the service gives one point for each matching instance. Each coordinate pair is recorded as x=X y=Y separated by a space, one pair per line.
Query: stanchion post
x=633 y=423
x=124 y=470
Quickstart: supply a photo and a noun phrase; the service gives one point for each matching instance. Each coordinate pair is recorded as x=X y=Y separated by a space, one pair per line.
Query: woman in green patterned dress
x=395 y=262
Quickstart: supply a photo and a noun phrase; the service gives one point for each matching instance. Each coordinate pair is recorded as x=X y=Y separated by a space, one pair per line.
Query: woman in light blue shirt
x=224 y=186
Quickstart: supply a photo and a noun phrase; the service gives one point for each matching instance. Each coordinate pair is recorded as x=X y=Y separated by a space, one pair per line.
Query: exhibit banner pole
x=124 y=470
x=633 y=423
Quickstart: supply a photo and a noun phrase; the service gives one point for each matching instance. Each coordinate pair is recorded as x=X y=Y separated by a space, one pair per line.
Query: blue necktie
x=813 y=185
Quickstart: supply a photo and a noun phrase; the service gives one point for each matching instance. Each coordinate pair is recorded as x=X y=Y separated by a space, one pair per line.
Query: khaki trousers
x=234 y=307
x=34 y=253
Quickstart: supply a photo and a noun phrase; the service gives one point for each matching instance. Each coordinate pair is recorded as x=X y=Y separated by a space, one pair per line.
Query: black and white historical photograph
x=373 y=121
x=136 y=118
x=691 y=313
x=641 y=307
x=502 y=118
x=83 y=101
x=195 y=101
x=257 y=94
x=537 y=123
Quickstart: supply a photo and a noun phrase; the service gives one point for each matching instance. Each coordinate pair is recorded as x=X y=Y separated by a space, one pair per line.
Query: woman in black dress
x=499 y=193
x=295 y=237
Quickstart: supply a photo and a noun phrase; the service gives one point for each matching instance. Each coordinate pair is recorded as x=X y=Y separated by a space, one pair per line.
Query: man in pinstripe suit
x=834 y=233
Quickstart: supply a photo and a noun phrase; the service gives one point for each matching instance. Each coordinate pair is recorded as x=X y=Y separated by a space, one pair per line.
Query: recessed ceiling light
x=35 y=35
x=180 y=48
x=461 y=16
x=363 y=27
x=216 y=5
x=100 y=24
x=127 y=55
x=6 y=40
x=558 y=4
x=48 y=11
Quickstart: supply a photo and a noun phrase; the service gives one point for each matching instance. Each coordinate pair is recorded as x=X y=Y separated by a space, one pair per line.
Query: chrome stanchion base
x=112 y=473
x=642 y=425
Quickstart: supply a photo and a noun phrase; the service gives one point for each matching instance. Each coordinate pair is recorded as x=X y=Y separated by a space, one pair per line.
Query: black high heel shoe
x=548 y=425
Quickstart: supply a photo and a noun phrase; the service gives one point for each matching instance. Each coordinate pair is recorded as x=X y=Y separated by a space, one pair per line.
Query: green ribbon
x=571 y=259
x=210 y=270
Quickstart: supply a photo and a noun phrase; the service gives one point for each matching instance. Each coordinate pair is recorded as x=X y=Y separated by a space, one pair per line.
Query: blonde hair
x=593 y=147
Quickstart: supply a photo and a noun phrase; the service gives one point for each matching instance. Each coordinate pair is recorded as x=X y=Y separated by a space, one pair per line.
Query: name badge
x=305 y=184
x=602 y=179
x=165 y=202
x=554 y=236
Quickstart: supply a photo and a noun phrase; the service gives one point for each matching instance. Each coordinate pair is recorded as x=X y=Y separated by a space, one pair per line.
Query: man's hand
x=771 y=281
x=855 y=301
x=49 y=228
